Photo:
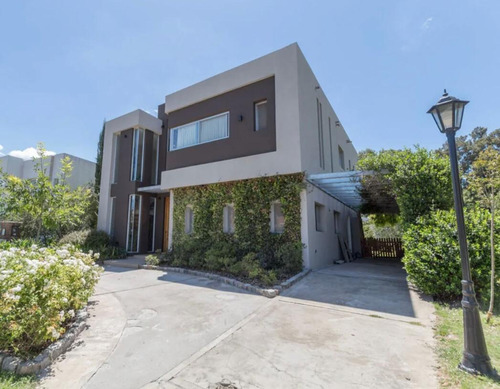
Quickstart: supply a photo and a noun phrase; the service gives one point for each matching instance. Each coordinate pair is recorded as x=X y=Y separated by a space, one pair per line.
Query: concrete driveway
x=348 y=326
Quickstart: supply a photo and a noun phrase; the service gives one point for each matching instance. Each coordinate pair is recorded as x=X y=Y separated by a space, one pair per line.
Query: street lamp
x=447 y=114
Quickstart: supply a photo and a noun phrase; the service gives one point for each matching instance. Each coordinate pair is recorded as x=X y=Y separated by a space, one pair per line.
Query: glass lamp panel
x=446 y=113
x=459 y=113
x=437 y=119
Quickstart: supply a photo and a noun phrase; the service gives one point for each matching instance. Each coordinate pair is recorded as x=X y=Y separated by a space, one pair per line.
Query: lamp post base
x=475 y=357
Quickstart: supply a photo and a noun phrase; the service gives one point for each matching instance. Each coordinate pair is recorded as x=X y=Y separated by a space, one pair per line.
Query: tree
x=484 y=186
x=98 y=160
x=470 y=146
x=47 y=211
x=419 y=180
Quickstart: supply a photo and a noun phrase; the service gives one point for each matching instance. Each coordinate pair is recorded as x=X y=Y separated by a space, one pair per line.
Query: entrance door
x=166 y=220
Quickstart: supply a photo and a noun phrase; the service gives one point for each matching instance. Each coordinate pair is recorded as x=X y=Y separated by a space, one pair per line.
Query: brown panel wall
x=124 y=188
x=242 y=141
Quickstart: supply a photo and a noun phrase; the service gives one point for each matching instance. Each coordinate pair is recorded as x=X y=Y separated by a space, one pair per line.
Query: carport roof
x=364 y=191
x=344 y=186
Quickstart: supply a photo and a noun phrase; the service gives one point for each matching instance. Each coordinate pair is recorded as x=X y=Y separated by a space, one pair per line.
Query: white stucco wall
x=11 y=165
x=322 y=247
x=310 y=90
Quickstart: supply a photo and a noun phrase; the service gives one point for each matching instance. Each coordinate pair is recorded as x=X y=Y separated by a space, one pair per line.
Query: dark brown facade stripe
x=243 y=140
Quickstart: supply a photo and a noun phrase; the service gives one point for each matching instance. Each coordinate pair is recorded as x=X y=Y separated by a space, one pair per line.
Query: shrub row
x=432 y=255
x=40 y=289
x=96 y=241
x=224 y=256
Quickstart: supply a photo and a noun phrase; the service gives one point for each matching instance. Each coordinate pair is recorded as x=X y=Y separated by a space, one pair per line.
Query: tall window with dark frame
x=133 y=228
x=260 y=113
x=137 y=155
x=154 y=165
x=320 y=134
x=151 y=224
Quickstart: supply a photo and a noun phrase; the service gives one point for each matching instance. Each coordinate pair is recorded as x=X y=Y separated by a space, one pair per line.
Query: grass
x=12 y=381
x=449 y=334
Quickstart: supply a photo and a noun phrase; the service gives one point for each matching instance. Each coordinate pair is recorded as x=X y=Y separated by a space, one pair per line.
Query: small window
x=319 y=212
x=228 y=222
x=261 y=115
x=188 y=220
x=350 y=168
x=277 y=219
x=341 y=158
x=336 y=221
x=3 y=231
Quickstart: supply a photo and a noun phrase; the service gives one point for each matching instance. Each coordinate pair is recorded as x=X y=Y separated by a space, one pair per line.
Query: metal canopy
x=344 y=186
x=360 y=190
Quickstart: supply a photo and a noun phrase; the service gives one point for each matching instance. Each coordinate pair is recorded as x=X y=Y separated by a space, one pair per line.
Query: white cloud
x=1 y=148
x=28 y=153
x=427 y=24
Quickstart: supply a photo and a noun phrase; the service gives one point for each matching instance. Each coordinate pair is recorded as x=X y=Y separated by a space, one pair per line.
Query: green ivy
x=252 y=201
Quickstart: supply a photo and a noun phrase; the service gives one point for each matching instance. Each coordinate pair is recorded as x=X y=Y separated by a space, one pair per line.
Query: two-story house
x=267 y=117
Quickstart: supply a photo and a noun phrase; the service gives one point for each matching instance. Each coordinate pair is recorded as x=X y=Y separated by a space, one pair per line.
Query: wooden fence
x=382 y=248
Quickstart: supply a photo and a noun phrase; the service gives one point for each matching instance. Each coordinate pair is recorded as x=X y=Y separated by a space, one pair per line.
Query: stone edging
x=47 y=356
x=270 y=293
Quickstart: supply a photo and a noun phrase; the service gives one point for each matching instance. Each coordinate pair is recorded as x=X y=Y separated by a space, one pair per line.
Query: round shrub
x=432 y=255
x=40 y=289
x=76 y=238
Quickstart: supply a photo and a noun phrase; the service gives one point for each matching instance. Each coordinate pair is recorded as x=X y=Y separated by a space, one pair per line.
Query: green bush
x=289 y=258
x=41 y=289
x=95 y=241
x=152 y=259
x=432 y=256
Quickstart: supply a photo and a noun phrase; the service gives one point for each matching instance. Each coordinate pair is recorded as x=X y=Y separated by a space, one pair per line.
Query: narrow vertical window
x=320 y=134
x=188 y=220
x=112 y=217
x=116 y=155
x=154 y=163
x=331 y=142
x=277 y=218
x=134 y=216
x=228 y=219
x=350 y=167
x=319 y=211
x=151 y=224
x=341 y=158
x=137 y=155
x=336 y=221
x=261 y=115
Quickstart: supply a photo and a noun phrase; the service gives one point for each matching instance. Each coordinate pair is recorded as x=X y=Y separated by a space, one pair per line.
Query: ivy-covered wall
x=252 y=201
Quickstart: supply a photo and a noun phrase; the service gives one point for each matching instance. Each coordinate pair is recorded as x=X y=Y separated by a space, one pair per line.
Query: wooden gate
x=382 y=248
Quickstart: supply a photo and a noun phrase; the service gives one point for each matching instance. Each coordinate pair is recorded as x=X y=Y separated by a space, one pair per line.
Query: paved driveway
x=352 y=325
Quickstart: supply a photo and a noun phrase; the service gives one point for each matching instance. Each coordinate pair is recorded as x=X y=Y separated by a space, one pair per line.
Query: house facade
x=83 y=172
x=266 y=118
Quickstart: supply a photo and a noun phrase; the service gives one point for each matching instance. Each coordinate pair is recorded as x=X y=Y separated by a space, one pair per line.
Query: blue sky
x=65 y=66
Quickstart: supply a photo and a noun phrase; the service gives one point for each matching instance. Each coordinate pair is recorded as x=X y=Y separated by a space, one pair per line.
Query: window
x=134 y=216
x=336 y=221
x=277 y=218
x=3 y=232
x=331 y=142
x=116 y=154
x=261 y=115
x=112 y=217
x=319 y=213
x=350 y=167
x=188 y=220
x=137 y=155
x=319 y=108
x=228 y=219
x=154 y=164
x=151 y=224
x=202 y=131
x=341 y=158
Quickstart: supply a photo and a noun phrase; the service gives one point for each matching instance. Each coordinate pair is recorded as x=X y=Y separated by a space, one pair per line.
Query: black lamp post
x=447 y=114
